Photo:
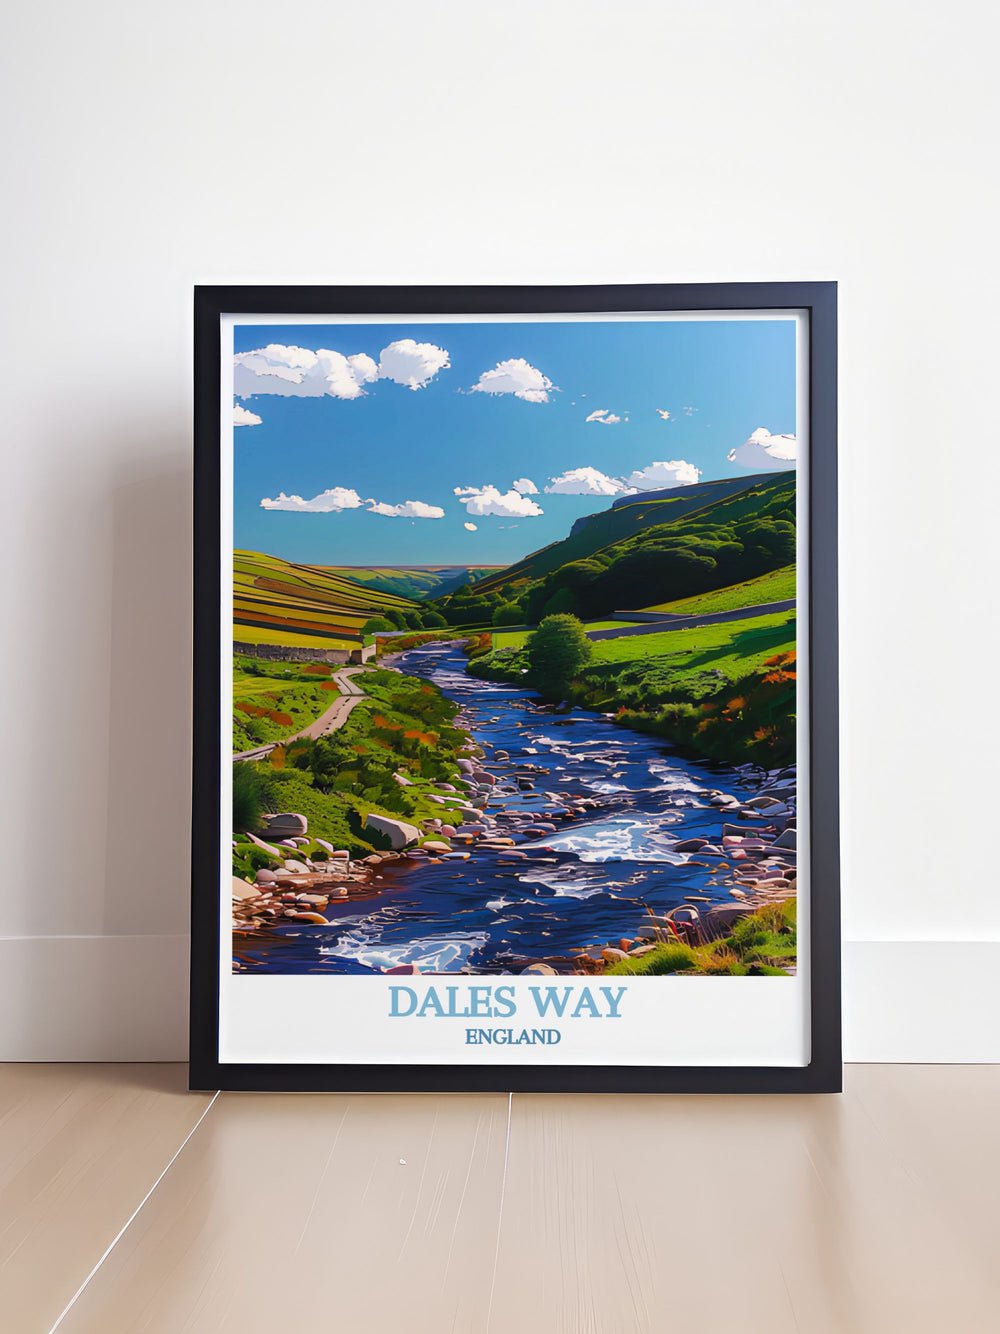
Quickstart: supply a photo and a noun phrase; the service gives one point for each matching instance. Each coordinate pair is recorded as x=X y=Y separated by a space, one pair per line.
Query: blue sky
x=339 y=427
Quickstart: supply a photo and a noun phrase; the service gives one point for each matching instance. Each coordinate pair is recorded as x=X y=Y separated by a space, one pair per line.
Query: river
x=582 y=887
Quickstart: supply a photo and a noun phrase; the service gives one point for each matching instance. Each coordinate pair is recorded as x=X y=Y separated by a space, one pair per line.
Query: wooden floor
x=127 y=1204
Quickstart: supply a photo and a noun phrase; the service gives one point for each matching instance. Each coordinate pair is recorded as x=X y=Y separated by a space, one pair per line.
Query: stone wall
x=338 y=657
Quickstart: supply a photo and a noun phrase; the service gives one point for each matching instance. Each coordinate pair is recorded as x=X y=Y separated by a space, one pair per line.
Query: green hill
x=279 y=602
x=415 y=581
x=630 y=515
x=659 y=548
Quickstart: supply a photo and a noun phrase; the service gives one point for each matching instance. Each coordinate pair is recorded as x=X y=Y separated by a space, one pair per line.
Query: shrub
x=556 y=652
x=252 y=796
x=376 y=625
x=672 y=958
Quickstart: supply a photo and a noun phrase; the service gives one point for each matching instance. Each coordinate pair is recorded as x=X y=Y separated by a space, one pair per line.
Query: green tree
x=562 y=600
x=433 y=620
x=556 y=651
x=508 y=613
x=377 y=625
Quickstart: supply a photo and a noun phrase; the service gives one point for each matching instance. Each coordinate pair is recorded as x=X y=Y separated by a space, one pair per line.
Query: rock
x=762 y=803
x=640 y=950
x=785 y=840
x=544 y=968
x=242 y=890
x=340 y=854
x=723 y=917
x=398 y=832
x=327 y=847
x=297 y=868
x=445 y=787
x=265 y=877
x=435 y=846
x=317 y=900
x=501 y=755
x=466 y=766
x=691 y=845
x=284 y=824
x=403 y=969
x=433 y=796
x=403 y=781
x=613 y=955
x=448 y=830
x=456 y=856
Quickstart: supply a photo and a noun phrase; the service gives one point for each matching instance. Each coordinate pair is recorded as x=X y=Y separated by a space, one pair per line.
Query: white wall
x=539 y=141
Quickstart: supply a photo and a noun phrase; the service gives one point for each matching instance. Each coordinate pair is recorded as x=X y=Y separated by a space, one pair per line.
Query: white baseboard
x=124 y=998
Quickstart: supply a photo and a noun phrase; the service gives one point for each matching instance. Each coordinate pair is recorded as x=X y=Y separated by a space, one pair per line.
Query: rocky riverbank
x=704 y=859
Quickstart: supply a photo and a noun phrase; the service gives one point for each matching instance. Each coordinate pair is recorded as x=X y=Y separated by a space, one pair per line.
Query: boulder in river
x=691 y=845
x=285 y=824
x=398 y=832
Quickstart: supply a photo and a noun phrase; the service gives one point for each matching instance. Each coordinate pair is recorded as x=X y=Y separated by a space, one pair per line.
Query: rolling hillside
x=278 y=602
x=414 y=581
x=631 y=514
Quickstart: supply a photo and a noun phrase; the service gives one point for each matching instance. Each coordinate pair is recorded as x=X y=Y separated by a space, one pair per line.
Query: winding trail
x=330 y=720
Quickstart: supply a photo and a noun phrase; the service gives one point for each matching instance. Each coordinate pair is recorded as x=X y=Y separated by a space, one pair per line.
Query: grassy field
x=733 y=648
x=274 y=700
x=777 y=586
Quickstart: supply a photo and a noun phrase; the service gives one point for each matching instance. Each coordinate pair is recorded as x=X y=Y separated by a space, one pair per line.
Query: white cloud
x=410 y=509
x=765 y=451
x=479 y=500
x=515 y=376
x=298 y=372
x=605 y=416
x=327 y=502
x=412 y=364
x=662 y=412
x=472 y=527
x=526 y=486
x=659 y=475
x=688 y=411
x=585 y=482
x=241 y=417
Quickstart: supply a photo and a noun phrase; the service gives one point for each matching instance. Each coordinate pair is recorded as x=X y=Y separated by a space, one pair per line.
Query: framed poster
x=515 y=709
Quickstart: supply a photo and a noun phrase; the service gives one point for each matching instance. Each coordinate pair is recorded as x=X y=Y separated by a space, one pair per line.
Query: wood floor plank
x=314 y=1213
x=80 y=1146
x=758 y=1214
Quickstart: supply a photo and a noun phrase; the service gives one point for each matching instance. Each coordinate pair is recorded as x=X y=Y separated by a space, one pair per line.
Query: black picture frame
x=823 y=1073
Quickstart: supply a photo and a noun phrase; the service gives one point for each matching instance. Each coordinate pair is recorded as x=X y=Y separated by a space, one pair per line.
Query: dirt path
x=330 y=720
